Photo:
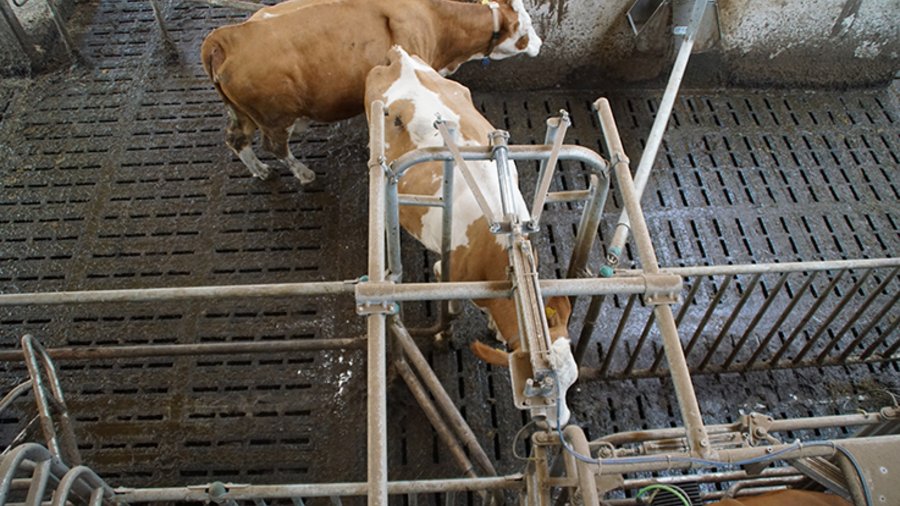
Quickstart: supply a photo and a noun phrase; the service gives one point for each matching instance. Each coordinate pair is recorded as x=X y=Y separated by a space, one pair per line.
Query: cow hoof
x=307 y=177
x=261 y=171
x=302 y=172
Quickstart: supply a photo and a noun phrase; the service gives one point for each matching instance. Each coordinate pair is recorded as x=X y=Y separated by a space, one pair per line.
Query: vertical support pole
x=392 y=224
x=376 y=408
x=447 y=229
x=681 y=377
x=558 y=126
x=659 y=128
x=499 y=139
x=588 y=225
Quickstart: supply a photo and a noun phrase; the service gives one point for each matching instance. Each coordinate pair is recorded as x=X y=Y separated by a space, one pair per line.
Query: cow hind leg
x=239 y=137
x=276 y=141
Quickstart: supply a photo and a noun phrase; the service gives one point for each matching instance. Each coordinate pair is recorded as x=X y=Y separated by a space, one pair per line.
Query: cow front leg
x=239 y=137
x=276 y=141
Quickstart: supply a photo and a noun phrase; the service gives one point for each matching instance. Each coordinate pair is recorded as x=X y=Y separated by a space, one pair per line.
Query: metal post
x=588 y=225
x=377 y=381
x=684 y=389
x=392 y=224
x=447 y=232
x=558 y=127
x=500 y=151
x=658 y=129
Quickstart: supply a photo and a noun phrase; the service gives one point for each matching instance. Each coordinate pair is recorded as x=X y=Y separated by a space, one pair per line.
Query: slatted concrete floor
x=116 y=176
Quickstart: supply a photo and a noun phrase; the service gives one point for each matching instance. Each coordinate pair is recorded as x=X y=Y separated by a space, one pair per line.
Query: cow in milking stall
x=414 y=94
x=306 y=60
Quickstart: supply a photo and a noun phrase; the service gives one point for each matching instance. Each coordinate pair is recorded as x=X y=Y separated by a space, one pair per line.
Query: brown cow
x=307 y=60
x=413 y=94
x=785 y=498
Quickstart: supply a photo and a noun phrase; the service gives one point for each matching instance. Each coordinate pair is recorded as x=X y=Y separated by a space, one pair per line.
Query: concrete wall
x=785 y=42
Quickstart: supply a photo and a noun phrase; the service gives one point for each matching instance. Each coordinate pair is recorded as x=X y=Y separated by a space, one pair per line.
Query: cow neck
x=467 y=31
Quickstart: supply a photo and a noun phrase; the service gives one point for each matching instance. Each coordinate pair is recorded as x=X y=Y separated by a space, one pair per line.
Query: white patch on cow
x=508 y=47
x=252 y=162
x=427 y=104
x=563 y=364
x=267 y=15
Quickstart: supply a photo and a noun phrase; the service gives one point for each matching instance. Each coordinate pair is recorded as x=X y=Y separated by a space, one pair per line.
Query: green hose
x=677 y=492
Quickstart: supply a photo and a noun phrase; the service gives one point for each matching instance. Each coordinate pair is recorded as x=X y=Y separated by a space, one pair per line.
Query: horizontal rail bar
x=381 y=292
x=408 y=199
x=242 y=492
x=568 y=196
x=516 y=152
x=826 y=265
x=180 y=350
x=178 y=293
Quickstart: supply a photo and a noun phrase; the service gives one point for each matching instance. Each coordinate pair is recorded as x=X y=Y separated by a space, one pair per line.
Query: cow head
x=520 y=36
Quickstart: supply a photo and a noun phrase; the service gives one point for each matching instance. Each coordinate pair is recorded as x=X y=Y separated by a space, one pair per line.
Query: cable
x=672 y=489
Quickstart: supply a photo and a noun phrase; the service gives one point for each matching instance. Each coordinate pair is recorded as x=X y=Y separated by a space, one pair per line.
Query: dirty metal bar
x=695 y=287
x=515 y=152
x=875 y=321
x=640 y=345
x=756 y=319
x=556 y=131
x=763 y=345
x=881 y=340
x=724 y=457
x=63 y=445
x=446 y=236
x=857 y=315
x=445 y=403
x=681 y=378
x=471 y=182
x=180 y=350
x=406 y=199
x=588 y=225
x=499 y=152
x=805 y=267
x=648 y=156
x=376 y=409
x=240 y=492
x=626 y=314
x=586 y=473
x=808 y=316
x=568 y=196
x=438 y=423
x=462 y=290
x=392 y=227
x=708 y=314
x=748 y=291
x=181 y=293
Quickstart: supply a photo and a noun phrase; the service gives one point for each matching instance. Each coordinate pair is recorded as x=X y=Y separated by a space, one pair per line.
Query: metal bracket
x=386 y=308
x=662 y=289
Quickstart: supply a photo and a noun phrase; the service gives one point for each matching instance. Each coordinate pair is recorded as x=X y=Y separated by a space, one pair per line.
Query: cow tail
x=490 y=355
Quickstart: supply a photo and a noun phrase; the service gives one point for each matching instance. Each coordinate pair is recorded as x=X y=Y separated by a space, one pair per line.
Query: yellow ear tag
x=550 y=312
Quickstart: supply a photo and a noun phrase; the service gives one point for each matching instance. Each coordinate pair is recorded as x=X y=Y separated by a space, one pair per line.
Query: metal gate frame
x=377 y=296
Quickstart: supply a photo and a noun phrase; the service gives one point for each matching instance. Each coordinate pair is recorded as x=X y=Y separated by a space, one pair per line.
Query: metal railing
x=765 y=316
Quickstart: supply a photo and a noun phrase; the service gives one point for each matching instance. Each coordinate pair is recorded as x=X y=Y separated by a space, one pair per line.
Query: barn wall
x=785 y=42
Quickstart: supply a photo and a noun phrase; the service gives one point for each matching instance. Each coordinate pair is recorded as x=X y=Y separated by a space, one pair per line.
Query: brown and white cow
x=307 y=60
x=414 y=94
x=785 y=498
